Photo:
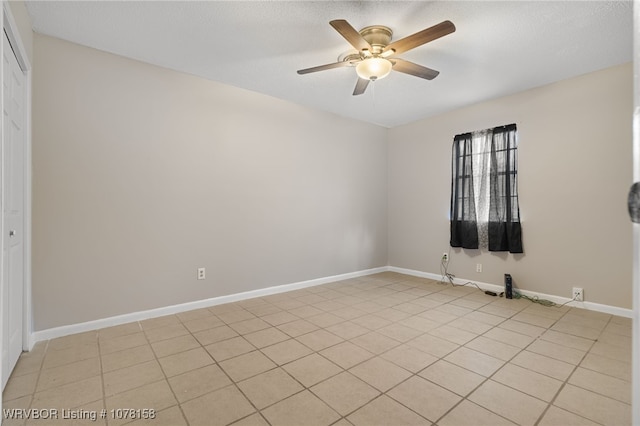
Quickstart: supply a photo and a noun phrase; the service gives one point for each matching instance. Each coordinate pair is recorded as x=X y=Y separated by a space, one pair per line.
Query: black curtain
x=464 y=229
x=505 y=232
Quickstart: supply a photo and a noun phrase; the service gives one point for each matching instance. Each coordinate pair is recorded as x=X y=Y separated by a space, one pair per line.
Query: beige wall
x=574 y=173
x=142 y=174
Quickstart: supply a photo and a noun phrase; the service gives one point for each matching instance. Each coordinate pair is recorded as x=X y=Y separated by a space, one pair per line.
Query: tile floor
x=385 y=349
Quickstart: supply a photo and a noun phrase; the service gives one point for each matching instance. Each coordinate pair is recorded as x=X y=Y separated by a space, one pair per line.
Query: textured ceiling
x=499 y=48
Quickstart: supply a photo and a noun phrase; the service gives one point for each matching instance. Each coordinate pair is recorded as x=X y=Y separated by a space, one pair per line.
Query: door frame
x=10 y=26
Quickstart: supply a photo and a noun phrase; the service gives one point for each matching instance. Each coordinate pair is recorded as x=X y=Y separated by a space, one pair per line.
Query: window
x=484 y=190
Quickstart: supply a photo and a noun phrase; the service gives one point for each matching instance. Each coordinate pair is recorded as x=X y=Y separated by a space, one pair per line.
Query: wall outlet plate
x=577 y=294
x=201 y=273
x=445 y=257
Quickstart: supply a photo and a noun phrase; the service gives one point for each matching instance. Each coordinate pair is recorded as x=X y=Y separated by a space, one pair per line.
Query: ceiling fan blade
x=361 y=86
x=414 y=69
x=325 y=67
x=421 y=37
x=350 y=34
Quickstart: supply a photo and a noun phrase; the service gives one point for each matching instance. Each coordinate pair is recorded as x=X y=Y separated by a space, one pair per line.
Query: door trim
x=10 y=26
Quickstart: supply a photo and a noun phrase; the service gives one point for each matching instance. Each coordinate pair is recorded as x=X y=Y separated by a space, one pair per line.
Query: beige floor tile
x=86 y=415
x=494 y=348
x=509 y=337
x=319 y=339
x=255 y=419
x=68 y=373
x=303 y=408
x=220 y=407
x=469 y=414
x=127 y=358
x=159 y=322
x=427 y=399
x=119 y=330
x=224 y=308
x=375 y=342
x=380 y=373
x=297 y=328
x=507 y=402
x=198 y=382
x=203 y=323
x=168 y=417
x=613 y=352
x=265 y=309
x=286 y=351
x=132 y=377
x=393 y=315
x=615 y=340
x=595 y=407
x=194 y=314
x=235 y=316
x=312 y=369
x=371 y=321
x=438 y=316
x=409 y=358
x=27 y=364
x=533 y=319
x=602 y=384
x=474 y=327
x=528 y=381
x=499 y=311
x=157 y=396
x=16 y=404
x=249 y=326
x=344 y=393
x=522 y=328
x=174 y=345
x=577 y=330
x=559 y=352
x=325 y=319
x=122 y=342
x=542 y=364
x=70 y=355
x=384 y=411
x=305 y=311
x=267 y=337
x=214 y=335
x=608 y=366
x=419 y=323
x=452 y=334
x=347 y=330
x=182 y=362
x=558 y=417
x=485 y=318
x=452 y=377
x=400 y=332
x=279 y=318
x=475 y=361
x=71 y=395
x=346 y=354
x=229 y=348
x=433 y=345
x=167 y=332
x=247 y=365
x=270 y=387
x=569 y=340
x=348 y=313
x=20 y=386
x=72 y=340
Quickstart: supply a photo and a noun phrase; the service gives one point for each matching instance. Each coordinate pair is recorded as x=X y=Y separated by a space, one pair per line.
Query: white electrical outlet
x=201 y=273
x=578 y=294
x=445 y=257
x=478 y=267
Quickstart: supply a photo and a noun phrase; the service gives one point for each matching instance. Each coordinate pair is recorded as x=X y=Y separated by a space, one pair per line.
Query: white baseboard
x=66 y=330
x=613 y=310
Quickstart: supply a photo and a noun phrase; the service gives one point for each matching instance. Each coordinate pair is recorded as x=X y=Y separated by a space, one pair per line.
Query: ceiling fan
x=374 y=57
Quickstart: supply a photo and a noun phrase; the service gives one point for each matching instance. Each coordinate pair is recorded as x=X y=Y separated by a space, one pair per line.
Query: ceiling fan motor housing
x=377 y=36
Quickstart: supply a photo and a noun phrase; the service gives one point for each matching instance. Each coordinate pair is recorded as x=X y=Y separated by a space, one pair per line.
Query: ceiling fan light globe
x=374 y=68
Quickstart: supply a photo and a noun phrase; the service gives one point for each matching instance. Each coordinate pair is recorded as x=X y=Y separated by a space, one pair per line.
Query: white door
x=13 y=189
